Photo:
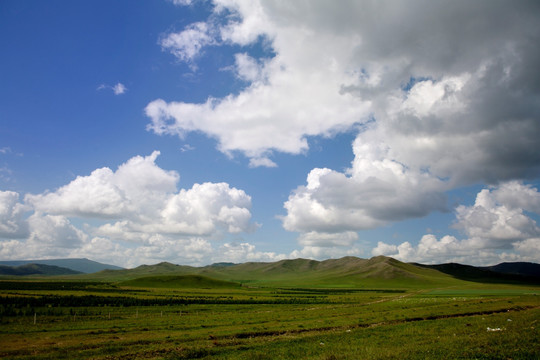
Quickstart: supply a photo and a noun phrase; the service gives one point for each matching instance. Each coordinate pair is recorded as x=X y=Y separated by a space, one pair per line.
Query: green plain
x=406 y=313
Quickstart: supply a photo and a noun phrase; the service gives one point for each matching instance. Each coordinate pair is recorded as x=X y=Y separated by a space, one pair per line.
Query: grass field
x=187 y=318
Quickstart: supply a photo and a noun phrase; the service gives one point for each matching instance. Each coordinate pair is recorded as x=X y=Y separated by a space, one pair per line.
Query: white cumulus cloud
x=497 y=228
x=290 y=96
x=12 y=221
x=376 y=190
x=136 y=210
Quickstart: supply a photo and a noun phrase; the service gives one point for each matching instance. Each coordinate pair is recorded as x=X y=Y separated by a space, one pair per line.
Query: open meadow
x=156 y=318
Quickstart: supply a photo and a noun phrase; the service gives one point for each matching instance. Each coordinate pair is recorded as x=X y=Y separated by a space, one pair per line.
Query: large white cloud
x=145 y=199
x=376 y=190
x=496 y=217
x=289 y=97
x=445 y=93
x=137 y=187
x=48 y=236
x=202 y=210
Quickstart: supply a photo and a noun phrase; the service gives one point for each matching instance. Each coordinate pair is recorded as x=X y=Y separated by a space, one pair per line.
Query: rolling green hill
x=347 y=272
x=377 y=272
x=163 y=268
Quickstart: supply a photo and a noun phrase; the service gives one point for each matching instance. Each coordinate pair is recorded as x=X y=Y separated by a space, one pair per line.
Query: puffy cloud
x=306 y=84
x=475 y=251
x=135 y=210
x=432 y=250
x=384 y=249
x=187 y=44
x=201 y=210
x=54 y=231
x=145 y=200
x=527 y=250
x=119 y=89
x=14 y=249
x=496 y=217
x=12 y=222
x=244 y=252
x=497 y=229
x=516 y=195
x=138 y=186
x=247 y=68
x=376 y=190
x=49 y=236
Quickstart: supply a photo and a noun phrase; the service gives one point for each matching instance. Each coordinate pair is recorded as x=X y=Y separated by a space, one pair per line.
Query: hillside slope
x=379 y=271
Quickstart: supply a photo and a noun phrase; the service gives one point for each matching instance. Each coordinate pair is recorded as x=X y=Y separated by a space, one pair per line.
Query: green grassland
x=296 y=309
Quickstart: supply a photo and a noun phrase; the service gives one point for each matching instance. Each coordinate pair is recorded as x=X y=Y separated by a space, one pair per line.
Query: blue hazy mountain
x=79 y=265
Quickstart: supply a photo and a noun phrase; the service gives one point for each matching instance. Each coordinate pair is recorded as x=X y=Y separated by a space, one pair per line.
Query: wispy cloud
x=187 y=147
x=6 y=150
x=117 y=89
x=182 y=2
x=188 y=44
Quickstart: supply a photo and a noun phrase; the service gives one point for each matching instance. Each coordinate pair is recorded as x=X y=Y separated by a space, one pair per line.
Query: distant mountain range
x=36 y=269
x=73 y=265
x=516 y=268
x=505 y=272
x=349 y=271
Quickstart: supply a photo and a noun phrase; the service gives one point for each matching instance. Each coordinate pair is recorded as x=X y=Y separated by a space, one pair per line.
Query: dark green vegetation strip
x=52 y=285
x=93 y=300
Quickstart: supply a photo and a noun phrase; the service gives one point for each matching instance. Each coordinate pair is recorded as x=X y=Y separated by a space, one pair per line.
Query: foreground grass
x=449 y=323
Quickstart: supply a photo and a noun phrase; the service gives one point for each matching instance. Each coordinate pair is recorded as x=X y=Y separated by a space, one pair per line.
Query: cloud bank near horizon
x=136 y=213
x=136 y=210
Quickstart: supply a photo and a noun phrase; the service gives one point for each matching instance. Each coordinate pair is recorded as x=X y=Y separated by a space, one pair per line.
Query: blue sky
x=204 y=131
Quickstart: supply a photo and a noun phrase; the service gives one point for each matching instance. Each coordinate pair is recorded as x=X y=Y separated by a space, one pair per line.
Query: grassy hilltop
x=347 y=272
